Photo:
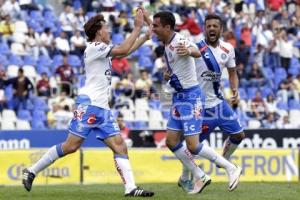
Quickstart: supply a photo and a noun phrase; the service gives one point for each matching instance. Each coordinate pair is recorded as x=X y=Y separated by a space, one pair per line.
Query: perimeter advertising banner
x=160 y=165
x=12 y=162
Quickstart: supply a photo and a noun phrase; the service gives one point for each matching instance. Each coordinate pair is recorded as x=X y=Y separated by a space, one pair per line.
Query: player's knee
x=70 y=148
x=239 y=136
x=170 y=143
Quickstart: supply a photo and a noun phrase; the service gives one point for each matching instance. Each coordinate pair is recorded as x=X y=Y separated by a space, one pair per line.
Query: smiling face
x=213 y=30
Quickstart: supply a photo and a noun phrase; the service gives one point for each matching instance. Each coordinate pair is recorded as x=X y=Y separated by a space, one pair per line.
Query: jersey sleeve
x=231 y=61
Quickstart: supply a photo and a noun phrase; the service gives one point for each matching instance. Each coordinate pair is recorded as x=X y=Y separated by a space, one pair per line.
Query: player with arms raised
x=92 y=114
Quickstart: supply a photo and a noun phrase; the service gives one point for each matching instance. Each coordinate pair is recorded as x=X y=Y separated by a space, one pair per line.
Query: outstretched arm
x=124 y=48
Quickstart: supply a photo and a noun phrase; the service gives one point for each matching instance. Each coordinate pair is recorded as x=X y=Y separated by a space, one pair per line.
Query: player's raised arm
x=124 y=48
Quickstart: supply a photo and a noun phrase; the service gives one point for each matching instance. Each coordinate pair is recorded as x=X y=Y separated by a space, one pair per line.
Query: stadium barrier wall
x=260 y=138
x=90 y=166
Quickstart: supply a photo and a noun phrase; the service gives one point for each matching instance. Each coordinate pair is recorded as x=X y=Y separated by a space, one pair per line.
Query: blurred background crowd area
x=41 y=67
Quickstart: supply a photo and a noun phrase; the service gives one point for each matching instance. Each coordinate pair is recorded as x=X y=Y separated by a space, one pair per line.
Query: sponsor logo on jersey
x=92 y=118
x=211 y=76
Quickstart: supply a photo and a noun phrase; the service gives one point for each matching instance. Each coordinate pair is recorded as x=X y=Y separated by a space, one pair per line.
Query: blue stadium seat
x=49 y=16
x=44 y=61
x=8 y=92
x=76 y=5
x=90 y=14
x=251 y=92
x=293 y=104
x=15 y=60
x=145 y=62
x=129 y=124
x=28 y=60
x=4 y=48
x=24 y=115
x=38 y=125
x=293 y=71
x=268 y=72
x=35 y=25
x=282 y=105
x=40 y=104
x=265 y=91
x=29 y=105
x=36 y=15
x=243 y=94
x=166 y=113
x=39 y=115
x=74 y=61
x=3 y=60
x=155 y=104
x=117 y=38
x=141 y=125
x=145 y=50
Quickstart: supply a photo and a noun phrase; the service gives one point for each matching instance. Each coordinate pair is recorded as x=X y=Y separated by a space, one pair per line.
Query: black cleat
x=28 y=178
x=139 y=192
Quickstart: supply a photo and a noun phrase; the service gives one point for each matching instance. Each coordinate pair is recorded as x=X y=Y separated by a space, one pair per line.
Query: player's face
x=213 y=30
x=104 y=33
x=158 y=29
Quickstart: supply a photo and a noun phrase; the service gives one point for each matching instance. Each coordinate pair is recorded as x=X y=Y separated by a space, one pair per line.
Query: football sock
x=230 y=146
x=123 y=167
x=47 y=159
x=210 y=154
x=186 y=158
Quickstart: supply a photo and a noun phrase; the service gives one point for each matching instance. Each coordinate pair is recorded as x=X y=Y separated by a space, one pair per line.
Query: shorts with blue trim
x=187 y=111
x=221 y=116
x=89 y=119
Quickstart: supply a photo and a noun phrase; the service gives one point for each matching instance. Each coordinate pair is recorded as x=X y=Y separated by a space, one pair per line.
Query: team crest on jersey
x=79 y=112
x=223 y=56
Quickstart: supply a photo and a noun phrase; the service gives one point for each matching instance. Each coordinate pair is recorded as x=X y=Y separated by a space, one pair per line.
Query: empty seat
x=8 y=125
x=12 y=71
x=141 y=104
x=254 y=124
x=128 y=115
x=24 y=115
x=23 y=125
x=155 y=115
x=141 y=115
x=9 y=115
x=155 y=125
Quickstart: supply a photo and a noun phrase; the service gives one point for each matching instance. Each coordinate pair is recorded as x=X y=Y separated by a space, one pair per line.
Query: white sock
x=186 y=158
x=125 y=171
x=47 y=159
x=229 y=148
x=210 y=154
x=185 y=175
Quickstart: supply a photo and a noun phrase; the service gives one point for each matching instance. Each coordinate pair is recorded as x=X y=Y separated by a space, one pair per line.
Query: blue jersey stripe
x=211 y=64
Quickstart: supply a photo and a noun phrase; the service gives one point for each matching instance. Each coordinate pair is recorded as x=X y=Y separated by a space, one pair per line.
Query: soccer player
x=216 y=54
x=92 y=114
x=186 y=108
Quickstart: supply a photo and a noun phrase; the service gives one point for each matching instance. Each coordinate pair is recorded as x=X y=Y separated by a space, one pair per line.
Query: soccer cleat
x=139 y=192
x=200 y=184
x=187 y=185
x=28 y=178
x=234 y=177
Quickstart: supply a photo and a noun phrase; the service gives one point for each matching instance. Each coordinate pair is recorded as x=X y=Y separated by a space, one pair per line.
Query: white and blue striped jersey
x=182 y=68
x=98 y=74
x=210 y=78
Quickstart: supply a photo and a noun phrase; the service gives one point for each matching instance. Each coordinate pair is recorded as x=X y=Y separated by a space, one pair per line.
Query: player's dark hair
x=92 y=26
x=213 y=16
x=166 y=18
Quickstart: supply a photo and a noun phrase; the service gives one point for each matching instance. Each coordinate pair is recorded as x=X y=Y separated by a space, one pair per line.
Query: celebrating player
x=215 y=55
x=186 y=111
x=92 y=114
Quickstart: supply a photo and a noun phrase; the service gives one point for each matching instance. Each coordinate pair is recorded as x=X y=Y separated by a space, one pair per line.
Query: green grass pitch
x=215 y=191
